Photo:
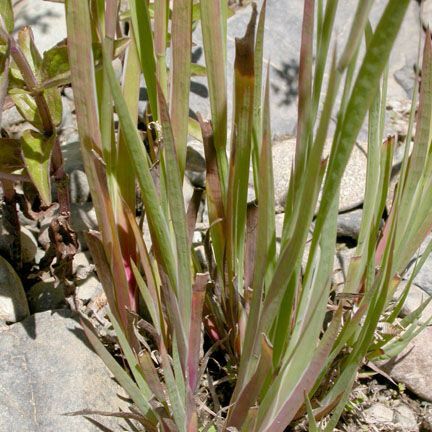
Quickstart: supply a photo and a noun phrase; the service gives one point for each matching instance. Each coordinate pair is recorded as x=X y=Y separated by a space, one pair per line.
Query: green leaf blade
x=36 y=150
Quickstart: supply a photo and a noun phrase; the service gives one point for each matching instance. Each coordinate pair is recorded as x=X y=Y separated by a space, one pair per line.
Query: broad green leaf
x=36 y=150
x=27 y=107
x=30 y=51
x=6 y=13
x=55 y=63
x=55 y=106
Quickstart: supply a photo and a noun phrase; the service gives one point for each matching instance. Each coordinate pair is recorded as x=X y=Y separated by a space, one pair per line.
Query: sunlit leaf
x=36 y=150
x=6 y=13
x=55 y=63
x=27 y=107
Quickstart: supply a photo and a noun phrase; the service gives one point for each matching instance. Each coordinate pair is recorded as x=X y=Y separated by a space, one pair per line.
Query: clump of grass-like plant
x=289 y=346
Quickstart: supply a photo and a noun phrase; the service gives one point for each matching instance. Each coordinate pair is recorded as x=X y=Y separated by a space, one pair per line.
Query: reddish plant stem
x=48 y=126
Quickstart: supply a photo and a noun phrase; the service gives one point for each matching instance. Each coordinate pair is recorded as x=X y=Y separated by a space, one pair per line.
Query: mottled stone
x=46 y=370
x=28 y=245
x=353 y=181
x=378 y=413
x=348 y=224
x=13 y=302
x=413 y=365
x=46 y=295
x=47 y=20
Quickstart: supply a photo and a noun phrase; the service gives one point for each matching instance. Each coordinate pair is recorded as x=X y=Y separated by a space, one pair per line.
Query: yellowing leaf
x=36 y=150
x=55 y=64
x=6 y=13
x=27 y=107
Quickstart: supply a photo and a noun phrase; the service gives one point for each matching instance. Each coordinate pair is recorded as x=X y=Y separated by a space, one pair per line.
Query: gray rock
x=43 y=237
x=341 y=263
x=378 y=414
x=79 y=187
x=405 y=418
x=279 y=221
x=45 y=295
x=188 y=190
x=28 y=245
x=40 y=253
x=70 y=145
x=426 y=425
x=416 y=297
x=68 y=117
x=13 y=302
x=29 y=223
x=424 y=276
x=201 y=256
x=427 y=13
x=282 y=46
x=348 y=224
x=197 y=238
x=353 y=181
x=10 y=117
x=413 y=365
x=47 y=20
x=47 y=369
x=83 y=216
x=405 y=77
x=195 y=163
x=89 y=288
x=81 y=266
